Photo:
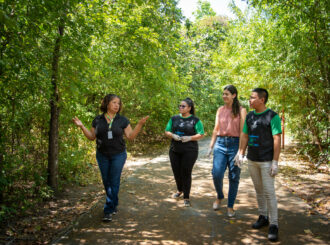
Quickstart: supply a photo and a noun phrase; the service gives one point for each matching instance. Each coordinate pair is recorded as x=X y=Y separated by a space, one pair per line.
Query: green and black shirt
x=261 y=127
x=184 y=126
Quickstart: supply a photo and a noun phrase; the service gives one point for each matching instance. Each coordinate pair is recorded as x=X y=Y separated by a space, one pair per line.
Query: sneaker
x=262 y=221
x=176 y=195
x=107 y=218
x=115 y=211
x=273 y=233
x=231 y=214
x=216 y=206
x=186 y=203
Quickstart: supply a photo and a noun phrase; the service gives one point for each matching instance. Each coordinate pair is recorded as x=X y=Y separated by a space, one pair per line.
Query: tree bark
x=2 y=153
x=55 y=113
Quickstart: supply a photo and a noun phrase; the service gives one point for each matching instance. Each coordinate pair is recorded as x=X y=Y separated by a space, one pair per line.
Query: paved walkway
x=147 y=214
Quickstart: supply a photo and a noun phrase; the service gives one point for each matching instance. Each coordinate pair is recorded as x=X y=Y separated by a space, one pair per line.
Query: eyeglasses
x=182 y=106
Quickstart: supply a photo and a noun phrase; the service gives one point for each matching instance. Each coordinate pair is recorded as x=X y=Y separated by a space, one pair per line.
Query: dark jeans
x=225 y=150
x=182 y=165
x=111 y=168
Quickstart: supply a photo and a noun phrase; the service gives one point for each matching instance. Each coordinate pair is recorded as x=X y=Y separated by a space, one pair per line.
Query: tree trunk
x=2 y=153
x=54 y=118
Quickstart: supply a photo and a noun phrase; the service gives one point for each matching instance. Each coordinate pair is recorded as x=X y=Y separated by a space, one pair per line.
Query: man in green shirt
x=262 y=135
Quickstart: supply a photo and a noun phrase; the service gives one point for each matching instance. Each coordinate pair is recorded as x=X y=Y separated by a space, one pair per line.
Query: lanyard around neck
x=110 y=119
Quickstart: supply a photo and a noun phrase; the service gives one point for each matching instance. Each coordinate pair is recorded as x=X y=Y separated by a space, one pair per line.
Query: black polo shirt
x=117 y=143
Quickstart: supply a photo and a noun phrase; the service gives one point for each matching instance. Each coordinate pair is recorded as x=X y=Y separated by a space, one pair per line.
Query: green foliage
x=123 y=47
x=282 y=46
x=203 y=10
x=201 y=39
x=142 y=51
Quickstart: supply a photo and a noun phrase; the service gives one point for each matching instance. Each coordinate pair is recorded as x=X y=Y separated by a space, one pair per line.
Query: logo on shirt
x=254 y=125
x=253 y=140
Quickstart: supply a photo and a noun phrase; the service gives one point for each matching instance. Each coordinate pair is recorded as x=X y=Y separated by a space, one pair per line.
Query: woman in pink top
x=228 y=127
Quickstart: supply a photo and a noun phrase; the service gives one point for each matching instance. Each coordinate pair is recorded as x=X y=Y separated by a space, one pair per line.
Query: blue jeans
x=225 y=150
x=111 y=168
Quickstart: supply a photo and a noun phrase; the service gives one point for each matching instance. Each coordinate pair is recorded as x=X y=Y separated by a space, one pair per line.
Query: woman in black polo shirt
x=185 y=130
x=108 y=130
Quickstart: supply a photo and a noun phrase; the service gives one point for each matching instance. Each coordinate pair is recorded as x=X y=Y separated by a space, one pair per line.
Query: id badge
x=109 y=135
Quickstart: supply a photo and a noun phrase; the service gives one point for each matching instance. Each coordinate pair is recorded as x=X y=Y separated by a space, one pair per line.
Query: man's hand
x=274 y=168
x=238 y=160
x=176 y=137
x=185 y=139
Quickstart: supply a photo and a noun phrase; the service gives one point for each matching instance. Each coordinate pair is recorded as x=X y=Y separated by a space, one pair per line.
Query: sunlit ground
x=148 y=214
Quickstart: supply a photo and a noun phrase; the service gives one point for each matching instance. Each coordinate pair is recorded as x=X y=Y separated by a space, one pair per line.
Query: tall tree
x=204 y=9
x=54 y=113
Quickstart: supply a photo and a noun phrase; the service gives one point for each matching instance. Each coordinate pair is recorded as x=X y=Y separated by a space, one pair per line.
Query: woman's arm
x=169 y=134
x=90 y=134
x=132 y=133
x=197 y=137
x=216 y=129
x=241 y=124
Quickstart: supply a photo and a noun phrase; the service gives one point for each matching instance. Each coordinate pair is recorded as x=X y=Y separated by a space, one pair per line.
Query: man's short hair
x=262 y=93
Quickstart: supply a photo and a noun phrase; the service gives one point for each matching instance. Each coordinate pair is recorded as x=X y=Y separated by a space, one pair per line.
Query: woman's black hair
x=190 y=103
x=236 y=105
x=106 y=100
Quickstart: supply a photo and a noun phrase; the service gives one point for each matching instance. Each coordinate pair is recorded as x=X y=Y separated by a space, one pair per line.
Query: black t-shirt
x=184 y=127
x=116 y=144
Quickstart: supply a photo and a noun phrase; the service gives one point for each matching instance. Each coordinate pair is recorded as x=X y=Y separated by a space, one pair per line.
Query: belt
x=227 y=136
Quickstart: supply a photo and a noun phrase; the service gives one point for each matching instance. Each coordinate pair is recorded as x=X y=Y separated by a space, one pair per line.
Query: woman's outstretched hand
x=77 y=122
x=143 y=120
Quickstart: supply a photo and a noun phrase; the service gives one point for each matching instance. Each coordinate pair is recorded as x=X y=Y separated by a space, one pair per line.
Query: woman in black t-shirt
x=108 y=129
x=185 y=130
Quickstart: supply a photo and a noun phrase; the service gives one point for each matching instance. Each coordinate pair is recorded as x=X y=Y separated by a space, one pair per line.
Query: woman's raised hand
x=77 y=122
x=143 y=120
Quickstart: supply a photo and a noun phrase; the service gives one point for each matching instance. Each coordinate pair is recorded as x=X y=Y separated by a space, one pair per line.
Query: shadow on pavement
x=148 y=214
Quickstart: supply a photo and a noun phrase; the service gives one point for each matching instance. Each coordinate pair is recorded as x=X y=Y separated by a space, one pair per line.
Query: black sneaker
x=273 y=233
x=107 y=218
x=115 y=211
x=262 y=221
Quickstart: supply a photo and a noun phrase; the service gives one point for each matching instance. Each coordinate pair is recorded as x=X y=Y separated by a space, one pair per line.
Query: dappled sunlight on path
x=148 y=214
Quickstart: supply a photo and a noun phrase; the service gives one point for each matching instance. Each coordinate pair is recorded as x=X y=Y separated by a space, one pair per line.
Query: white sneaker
x=231 y=214
x=216 y=206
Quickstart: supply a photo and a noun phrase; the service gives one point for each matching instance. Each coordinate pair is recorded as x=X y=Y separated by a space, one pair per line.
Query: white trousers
x=265 y=189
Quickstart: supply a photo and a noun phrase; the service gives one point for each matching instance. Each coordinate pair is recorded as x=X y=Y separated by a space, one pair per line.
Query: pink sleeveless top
x=229 y=126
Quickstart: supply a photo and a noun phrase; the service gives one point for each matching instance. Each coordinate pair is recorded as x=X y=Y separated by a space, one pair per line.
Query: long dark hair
x=190 y=103
x=236 y=105
x=106 y=100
